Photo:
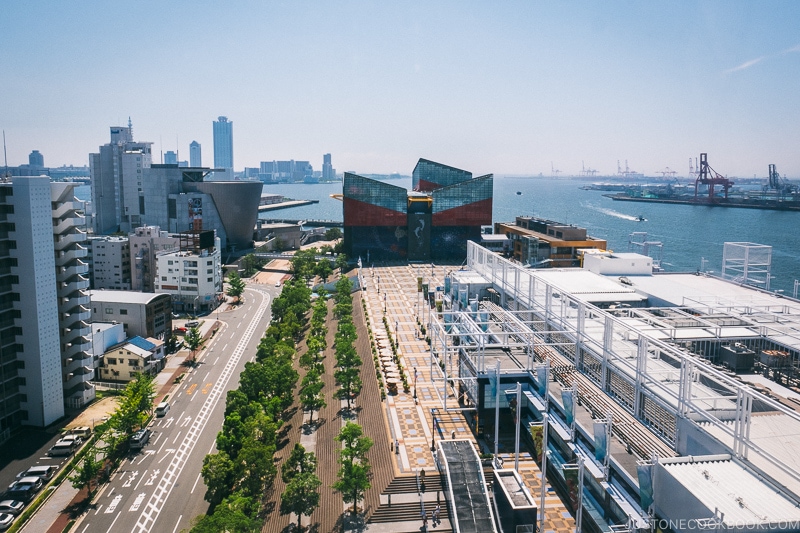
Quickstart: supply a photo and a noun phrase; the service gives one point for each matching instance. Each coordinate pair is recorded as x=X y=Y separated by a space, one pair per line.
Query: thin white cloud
x=795 y=48
x=745 y=65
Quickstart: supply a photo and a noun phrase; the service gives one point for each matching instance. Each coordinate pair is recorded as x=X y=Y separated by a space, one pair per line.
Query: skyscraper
x=328 y=172
x=170 y=158
x=117 y=173
x=195 y=156
x=223 y=143
x=36 y=159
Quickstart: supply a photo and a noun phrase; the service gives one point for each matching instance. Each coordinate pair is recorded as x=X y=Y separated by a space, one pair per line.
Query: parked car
x=44 y=472
x=5 y=520
x=21 y=484
x=192 y=324
x=84 y=432
x=139 y=439
x=11 y=506
x=72 y=438
x=62 y=447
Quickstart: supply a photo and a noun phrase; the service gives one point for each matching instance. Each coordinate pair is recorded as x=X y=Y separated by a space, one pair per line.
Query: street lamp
x=433 y=429
x=415 y=384
x=195 y=305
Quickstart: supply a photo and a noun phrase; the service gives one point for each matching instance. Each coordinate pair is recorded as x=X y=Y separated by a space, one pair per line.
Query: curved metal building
x=434 y=222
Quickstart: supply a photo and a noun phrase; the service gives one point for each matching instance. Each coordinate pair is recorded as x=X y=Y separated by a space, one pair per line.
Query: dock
x=285 y=205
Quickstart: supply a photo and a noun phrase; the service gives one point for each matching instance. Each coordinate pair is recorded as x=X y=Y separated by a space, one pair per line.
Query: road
x=159 y=488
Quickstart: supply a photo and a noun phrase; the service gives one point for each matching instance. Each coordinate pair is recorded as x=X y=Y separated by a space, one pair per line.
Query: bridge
x=303 y=222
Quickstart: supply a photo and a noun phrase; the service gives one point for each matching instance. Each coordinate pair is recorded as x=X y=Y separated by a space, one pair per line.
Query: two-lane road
x=160 y=488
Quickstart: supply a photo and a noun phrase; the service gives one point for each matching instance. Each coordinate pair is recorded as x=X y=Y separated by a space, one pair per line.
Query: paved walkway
x=392 y=292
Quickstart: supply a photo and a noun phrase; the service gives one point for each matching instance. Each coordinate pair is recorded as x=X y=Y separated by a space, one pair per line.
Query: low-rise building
x=110 y=263
x=538 y=242
x=191 y=277
x=147 y=242
x=129 y=358
x=142 y=314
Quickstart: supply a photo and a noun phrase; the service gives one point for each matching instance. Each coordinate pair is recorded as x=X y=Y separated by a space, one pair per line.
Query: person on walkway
x=435 y=516
x=424 y=520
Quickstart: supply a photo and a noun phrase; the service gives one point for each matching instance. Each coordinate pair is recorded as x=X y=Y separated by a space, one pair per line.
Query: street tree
x=218 y=473
x=194 y=341
x=353 y=476
x=311 y=397
x=86 y=473
x=235 y=286
x=349 y=379
x=331 y=234
x=324 y=269
x=341 y=263
x=301 y=496
x=299 y=462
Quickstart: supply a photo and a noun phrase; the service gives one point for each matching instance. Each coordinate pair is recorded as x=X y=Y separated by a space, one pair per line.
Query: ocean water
x=688 y=233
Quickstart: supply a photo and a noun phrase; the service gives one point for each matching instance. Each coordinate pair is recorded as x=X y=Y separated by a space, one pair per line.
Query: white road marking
x=176 y=437
x=174 y=529
x=111 y=527
x=137 y=502
x=97 y=511
x=129 y=481
x=113 y=505
x=195 y=484
x=157 y=500
x=207 y=373
x=215 y=361
x=166 y=453
x=140 y=480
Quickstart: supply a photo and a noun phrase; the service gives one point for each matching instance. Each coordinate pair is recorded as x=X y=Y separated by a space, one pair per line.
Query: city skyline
x=509 y=89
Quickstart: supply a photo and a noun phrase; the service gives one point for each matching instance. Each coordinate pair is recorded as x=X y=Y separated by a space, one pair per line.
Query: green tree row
x=111 y=438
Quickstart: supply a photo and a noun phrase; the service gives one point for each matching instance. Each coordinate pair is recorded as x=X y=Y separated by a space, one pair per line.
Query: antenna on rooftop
x=5 y=155
x=130 y=126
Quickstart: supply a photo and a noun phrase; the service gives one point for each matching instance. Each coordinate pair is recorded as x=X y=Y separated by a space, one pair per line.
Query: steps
x=405 y=512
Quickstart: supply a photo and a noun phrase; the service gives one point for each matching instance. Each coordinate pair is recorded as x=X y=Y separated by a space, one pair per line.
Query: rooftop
x=128 y=297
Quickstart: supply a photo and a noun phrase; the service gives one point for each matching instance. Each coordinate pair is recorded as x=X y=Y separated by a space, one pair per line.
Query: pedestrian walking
x=436 y=514
x=424 y=520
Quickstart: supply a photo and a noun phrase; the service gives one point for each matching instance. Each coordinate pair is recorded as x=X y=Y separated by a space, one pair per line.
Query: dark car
x=139 y=439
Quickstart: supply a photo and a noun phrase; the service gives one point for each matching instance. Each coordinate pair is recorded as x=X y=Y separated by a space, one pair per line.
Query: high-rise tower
x=195 y=156
x=223 y=144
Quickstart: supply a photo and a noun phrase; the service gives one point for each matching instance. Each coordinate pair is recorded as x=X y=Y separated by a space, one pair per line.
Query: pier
x=285 y=205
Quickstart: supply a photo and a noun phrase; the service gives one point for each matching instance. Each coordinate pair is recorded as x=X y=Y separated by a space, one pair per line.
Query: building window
x=109 y=311
x=111 y=361
x=210 y=280
x=123 y=311
x=163 y=278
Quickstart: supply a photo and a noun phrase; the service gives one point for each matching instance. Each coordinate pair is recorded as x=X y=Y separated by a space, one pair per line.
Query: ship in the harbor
x=713 y=189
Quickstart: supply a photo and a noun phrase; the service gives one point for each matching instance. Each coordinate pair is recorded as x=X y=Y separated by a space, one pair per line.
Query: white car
x=11 y=506
x=5 y=520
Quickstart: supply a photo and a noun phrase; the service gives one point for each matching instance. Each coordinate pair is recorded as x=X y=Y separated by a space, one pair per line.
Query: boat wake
x=612 y=213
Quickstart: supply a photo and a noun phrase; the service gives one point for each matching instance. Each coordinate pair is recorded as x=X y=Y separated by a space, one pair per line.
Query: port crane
x=553 y=170
x=667 y=172
x=778 y=184
x=708 y=176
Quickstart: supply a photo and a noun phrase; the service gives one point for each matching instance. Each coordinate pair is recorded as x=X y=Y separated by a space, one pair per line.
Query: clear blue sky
x=502 y=87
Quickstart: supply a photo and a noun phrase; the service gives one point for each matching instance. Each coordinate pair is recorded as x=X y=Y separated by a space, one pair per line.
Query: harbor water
x=689 y=233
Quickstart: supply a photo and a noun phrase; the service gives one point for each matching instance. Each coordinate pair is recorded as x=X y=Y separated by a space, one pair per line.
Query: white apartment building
x=193 y=279
x=145 y=243
x=110 y=263
x=44 y=332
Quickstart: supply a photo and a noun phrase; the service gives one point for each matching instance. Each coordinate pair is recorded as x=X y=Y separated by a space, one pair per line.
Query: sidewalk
x=56 y=512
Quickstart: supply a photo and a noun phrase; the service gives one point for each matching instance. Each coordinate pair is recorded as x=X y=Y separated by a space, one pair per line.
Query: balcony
x=77 y=268
x=64 y=224
x=70 y=255
x=66 y=290
x=63 y=242
x=78 y=396
x=63 y=209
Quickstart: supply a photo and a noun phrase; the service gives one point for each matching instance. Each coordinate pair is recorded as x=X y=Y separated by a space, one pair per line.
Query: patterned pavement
x=392 y=293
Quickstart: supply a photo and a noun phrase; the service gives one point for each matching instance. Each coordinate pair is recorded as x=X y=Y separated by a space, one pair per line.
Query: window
x=109 y=311
x=210 y=280
x=163 y=278
x=210 y=271
x=111 y=360
x=123 y=311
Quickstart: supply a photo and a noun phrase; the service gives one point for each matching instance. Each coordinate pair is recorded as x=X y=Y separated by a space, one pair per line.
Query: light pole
x=433 y=429
x=195 y=305
x=415 y=384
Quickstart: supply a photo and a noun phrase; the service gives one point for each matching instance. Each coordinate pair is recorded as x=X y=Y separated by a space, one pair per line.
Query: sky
x=510 y=88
